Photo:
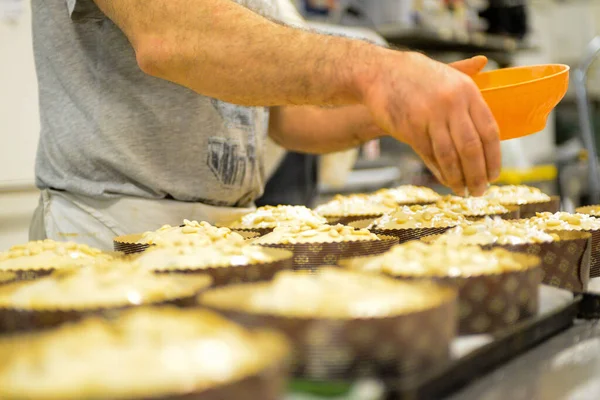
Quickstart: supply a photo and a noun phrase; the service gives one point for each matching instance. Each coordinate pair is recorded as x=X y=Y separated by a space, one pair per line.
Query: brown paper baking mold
x=31 y=274
x=127 y=244
x=595 y=253
x=488 y=302
x=8 y=277
x=595 y=262
x=35 y=272
x=403 y=235
x=593 y=210
x=565 y=263
x=14 y=319
x=340 y=349
x=530 y=209
x=268 y=384
x=226 y=275
x=252 y=233
x=347 y=219
x=406 y=235
x=417 y=203
x=594 y=269
x=310 y=256
x=514 y=212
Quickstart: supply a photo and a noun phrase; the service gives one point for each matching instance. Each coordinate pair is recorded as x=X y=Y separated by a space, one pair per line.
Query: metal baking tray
x=472 y=357
x=475 y=356
x=590 y=302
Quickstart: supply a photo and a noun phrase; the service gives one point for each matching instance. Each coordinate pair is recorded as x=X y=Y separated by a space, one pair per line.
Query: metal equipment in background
x=585 y=118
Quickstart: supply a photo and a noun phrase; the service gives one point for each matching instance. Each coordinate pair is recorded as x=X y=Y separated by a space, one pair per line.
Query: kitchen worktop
x=566 y=366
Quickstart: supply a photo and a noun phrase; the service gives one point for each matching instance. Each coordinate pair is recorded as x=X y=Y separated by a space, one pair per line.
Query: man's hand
x=438 y=110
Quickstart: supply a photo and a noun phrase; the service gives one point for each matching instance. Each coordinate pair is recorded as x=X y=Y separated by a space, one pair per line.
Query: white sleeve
x=289 y=14
x=84 y=10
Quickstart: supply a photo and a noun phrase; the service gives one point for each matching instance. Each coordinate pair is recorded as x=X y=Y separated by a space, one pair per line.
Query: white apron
x=65 y=216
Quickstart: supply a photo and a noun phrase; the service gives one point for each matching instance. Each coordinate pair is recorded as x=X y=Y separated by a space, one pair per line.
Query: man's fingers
x=447 y=158
x=489 y=134
x=435 y=170
x=423 y=147
x=470 y=150
x=482 y=119
x=470 y=66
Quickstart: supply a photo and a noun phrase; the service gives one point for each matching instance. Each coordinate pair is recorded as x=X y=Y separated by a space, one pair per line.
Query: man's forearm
x=322 y=130
x=221 y=49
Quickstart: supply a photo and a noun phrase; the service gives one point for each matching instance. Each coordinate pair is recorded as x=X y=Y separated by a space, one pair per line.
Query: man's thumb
x=471 y=66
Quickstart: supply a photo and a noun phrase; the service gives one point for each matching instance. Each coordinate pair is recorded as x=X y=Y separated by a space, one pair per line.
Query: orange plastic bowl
x=521 y=98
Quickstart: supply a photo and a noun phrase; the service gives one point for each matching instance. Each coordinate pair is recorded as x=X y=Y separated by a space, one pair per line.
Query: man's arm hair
x=223 y=50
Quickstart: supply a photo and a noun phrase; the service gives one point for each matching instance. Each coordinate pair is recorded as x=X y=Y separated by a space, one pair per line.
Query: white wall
x=539 y=148
x=572 y=25
x=19 y=127
x=561 y=31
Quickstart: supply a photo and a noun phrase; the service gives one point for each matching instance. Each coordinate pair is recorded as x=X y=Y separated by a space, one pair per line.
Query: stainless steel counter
x=564 y=367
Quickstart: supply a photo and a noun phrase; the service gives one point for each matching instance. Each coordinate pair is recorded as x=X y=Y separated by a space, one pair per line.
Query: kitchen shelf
x=446 y=40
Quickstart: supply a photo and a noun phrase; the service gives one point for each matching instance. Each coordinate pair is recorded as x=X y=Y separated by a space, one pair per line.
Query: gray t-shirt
x=108 y=129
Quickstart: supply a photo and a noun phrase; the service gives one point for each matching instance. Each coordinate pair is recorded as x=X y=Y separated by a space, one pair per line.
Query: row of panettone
x=78 y=323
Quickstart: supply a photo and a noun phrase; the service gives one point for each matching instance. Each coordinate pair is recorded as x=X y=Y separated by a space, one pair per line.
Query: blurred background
x=508 y=32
